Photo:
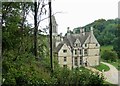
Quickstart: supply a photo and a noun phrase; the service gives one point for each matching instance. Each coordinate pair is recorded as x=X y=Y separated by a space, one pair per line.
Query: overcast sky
x=77 y=13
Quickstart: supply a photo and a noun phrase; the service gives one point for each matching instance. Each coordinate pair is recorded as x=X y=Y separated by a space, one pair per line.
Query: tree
x=38 y=11
x=117 y=41
x=35 y=28
x=109 y=55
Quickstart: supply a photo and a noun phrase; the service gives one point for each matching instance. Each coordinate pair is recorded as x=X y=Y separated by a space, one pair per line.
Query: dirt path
x=111 y=75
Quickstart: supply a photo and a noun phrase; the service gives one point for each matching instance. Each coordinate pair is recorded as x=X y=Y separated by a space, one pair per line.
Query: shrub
x=109 y=55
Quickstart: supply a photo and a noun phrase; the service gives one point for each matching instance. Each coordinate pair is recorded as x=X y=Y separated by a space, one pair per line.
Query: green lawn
x=108 y=84
x=115 y=64
x=102 y=67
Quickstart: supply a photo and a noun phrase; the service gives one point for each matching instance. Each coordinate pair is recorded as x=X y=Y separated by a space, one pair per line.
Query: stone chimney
x=91 y=29
x=61 y=34
x=68 y=31
x=82 y=31
x=61 y=38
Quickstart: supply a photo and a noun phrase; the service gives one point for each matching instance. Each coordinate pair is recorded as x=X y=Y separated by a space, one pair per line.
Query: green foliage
x=24 y=71
x=104 y=30
x=109 y=55
x=43 y=45
x=117 y=41
x=102 y=67
x=104 y=48
x=13 y=30
x=78 y=76
x=116 y=64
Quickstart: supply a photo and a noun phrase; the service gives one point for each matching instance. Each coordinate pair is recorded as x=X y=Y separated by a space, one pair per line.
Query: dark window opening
x=75 y=52
x=80 y=60
x=85 y=52
x=65 y=59
x=80 y=51
x=65 y=66
x=76 y=61
x=64 y=51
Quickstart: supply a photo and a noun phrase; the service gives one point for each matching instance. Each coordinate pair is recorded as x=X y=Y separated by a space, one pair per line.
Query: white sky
x=82 y=12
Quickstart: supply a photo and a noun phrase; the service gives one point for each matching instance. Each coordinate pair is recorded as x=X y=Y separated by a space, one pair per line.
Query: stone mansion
x=75 y=50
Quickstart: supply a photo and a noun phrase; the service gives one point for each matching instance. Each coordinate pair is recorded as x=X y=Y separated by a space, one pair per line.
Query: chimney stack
x=68 y=31
x=91 y=29
x=82 y=31
x=61 y=38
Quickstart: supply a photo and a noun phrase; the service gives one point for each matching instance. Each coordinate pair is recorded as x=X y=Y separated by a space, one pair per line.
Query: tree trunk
x=35 y=29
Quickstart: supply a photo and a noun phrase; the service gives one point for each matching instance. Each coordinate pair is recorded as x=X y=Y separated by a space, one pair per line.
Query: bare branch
x=47 y=17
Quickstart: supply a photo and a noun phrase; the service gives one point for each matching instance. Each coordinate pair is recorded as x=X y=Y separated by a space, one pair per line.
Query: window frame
x=85 y=51
x=80 y=60
x=64 y=51
x=76 y=44
x=85 y=45
x=76 y=61
x=75 y=51
x=80 y=51
x=65 y=59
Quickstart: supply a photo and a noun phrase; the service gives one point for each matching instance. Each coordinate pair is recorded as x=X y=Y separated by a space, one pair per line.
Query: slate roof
x=59 y=47
x=70 y=39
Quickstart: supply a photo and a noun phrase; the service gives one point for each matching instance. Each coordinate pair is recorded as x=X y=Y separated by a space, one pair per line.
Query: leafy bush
x=78 y=76
x=25 y=70
x=109 y=55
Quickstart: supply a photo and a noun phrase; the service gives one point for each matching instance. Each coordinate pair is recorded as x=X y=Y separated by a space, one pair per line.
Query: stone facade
x=76 y=50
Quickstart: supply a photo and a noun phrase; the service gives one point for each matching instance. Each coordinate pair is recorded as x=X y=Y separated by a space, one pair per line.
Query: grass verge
x=116 y=64
x=102 y=67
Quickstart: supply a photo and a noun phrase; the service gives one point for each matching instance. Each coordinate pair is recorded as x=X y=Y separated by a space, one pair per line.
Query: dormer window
x=85 y=45
x=76 y=44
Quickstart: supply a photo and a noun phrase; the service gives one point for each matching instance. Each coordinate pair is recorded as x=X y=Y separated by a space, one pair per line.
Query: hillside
x=104 y=30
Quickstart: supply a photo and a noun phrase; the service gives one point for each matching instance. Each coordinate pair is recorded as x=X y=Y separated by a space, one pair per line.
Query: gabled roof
x=59 y=47
x=70 y=39
x=91 y=39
